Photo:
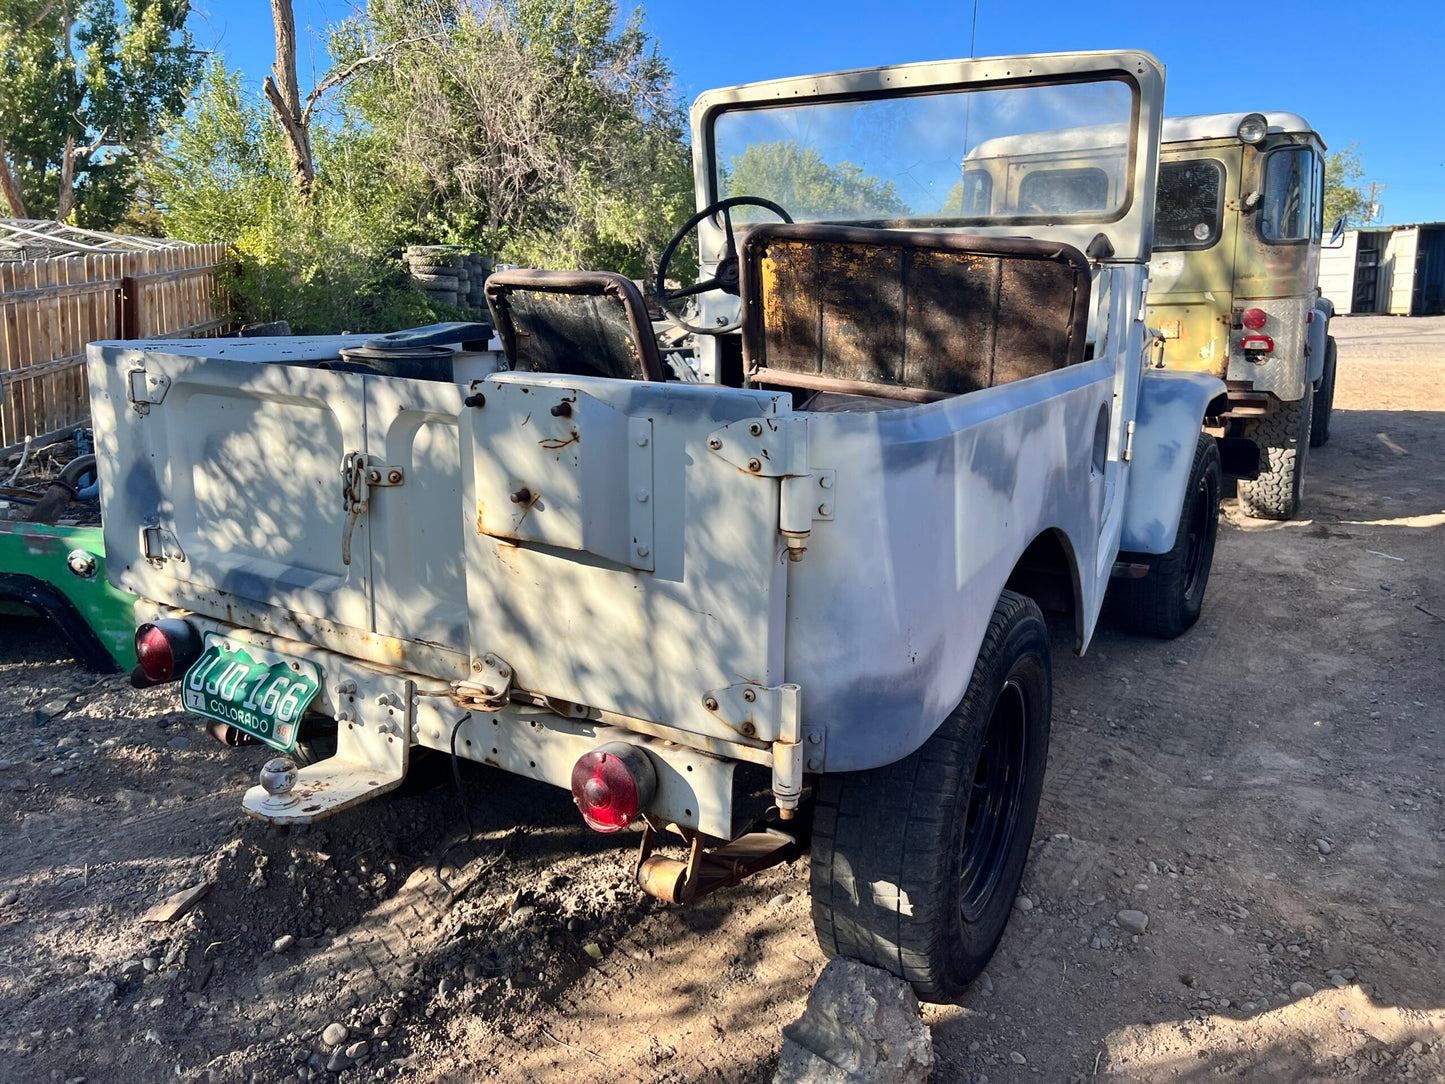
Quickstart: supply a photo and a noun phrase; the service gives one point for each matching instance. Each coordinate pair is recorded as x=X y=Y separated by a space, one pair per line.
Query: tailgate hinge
x=768 y=714
x=145 y=390
x=773 y=447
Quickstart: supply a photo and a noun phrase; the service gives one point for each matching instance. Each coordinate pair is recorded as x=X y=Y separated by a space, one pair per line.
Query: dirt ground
x=1268 y=789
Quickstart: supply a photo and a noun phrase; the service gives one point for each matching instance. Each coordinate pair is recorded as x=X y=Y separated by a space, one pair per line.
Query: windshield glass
x=1057 y=152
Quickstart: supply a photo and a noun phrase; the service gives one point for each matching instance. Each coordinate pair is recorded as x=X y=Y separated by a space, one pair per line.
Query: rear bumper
x=383 y=712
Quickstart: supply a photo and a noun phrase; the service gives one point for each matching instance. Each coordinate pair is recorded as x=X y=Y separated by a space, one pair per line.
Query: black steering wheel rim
x=726 y=276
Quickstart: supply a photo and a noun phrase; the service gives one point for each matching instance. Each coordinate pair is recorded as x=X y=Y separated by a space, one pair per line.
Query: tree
x=86 y=92
x=541 y=127
x=1346 y=192
x=808 y=187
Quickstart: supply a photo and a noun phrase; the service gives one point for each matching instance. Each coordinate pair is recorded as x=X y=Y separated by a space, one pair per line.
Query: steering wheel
x=725 y=278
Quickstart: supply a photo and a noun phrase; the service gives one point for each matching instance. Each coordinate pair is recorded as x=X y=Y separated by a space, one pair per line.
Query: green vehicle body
x=1237 y=242
x=58 y=572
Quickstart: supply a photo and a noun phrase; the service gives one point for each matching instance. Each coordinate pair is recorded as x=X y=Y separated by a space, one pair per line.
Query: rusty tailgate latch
x=358 y=476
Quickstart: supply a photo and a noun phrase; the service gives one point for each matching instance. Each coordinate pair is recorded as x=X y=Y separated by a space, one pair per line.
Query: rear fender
x=1171 y=412
x=1317 y=335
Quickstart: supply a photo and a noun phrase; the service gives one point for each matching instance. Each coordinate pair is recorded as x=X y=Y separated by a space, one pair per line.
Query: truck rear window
x=1064 y=191
x=1189 y=205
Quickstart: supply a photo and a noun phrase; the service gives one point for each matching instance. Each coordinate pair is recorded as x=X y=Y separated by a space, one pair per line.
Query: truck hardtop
x=777 y=586
x=1233 y=286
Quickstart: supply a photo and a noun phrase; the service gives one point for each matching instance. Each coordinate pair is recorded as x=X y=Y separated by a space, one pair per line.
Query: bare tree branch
x=284 y=95
x=336 y=79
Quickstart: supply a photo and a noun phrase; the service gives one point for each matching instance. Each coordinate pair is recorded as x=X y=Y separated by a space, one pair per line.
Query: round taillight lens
x=154 y=653
x=1254 y=319
x=611 y=785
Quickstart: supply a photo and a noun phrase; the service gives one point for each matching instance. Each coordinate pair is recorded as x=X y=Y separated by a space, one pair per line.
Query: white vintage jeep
x=804 y=560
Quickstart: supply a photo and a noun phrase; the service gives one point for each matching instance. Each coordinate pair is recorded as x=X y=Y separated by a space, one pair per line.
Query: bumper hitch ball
x=278 y=779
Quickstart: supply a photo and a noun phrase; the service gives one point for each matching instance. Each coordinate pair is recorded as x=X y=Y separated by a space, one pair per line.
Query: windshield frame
x=1129 y=238
x=711 y=115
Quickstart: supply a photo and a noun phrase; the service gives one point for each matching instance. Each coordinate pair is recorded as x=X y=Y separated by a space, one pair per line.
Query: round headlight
x=1253 y=128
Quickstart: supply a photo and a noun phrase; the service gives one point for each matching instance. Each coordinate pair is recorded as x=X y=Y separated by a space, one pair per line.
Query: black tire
x=436 y=282
x=1284 y=443
x=1324 y=404
x=433 y=267
x=915 y=866
x=1168 y=600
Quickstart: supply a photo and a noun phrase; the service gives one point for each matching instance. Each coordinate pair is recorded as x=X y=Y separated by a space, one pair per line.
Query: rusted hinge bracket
x=489 y=686
x=769 y=447
x=160 y=545
x=145 y=390
x=772 y=447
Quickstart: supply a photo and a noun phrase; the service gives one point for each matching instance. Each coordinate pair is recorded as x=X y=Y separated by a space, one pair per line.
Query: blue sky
x=1362 y=73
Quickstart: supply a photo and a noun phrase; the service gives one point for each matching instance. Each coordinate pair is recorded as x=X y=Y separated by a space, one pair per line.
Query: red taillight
x=1253 y=319
x=153 y=652
x=611 y=785
x=164 y=649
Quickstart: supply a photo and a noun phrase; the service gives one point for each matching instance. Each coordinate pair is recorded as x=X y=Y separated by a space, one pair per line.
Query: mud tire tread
x=1283 y=439
x=886 y=833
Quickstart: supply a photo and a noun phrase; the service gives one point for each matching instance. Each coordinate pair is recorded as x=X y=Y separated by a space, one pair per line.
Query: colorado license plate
x=262 y=693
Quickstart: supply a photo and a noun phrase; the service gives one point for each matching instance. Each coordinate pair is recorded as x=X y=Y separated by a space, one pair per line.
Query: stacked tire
x=450 y=276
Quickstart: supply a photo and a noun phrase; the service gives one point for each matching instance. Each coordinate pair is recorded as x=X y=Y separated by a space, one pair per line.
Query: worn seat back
x=581 y=323
x=907 y=314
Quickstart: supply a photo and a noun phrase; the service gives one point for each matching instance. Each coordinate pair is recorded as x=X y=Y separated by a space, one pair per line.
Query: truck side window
x=1064 y=191
x=1189 y=204
x=1288 y=195
x=977 y=193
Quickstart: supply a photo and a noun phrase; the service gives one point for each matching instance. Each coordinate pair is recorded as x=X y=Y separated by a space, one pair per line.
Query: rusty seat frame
x=605 y=285
x=1038 y=336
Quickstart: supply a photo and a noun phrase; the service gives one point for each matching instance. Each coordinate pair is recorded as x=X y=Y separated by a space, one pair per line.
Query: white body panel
x=697 y=563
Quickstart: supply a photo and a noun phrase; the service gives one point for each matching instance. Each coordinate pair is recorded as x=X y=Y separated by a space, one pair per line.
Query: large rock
x=861 y=1024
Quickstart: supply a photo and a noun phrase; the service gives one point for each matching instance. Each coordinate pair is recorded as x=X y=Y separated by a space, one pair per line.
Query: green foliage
x=325 y=265
x=1346 y=192
x=102 y=78
x=798 y=179
x=541 y=131
x=544 y=131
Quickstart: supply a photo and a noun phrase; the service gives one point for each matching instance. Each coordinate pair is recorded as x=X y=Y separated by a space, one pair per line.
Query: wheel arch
x=1048 y=572
x=1171 y=413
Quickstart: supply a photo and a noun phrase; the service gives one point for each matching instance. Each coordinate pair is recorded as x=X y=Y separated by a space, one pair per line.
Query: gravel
x=1132 y=921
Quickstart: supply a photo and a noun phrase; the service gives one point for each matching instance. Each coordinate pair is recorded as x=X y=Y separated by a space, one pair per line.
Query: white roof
x=1226 y=125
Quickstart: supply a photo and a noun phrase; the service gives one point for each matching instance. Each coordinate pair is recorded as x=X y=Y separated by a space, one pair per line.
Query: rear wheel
x=915 y=865
x=1284 y=443
x=1169 y=598
x=1324 y=404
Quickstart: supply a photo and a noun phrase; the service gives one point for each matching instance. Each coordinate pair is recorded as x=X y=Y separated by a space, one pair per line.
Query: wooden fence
x=50 y=310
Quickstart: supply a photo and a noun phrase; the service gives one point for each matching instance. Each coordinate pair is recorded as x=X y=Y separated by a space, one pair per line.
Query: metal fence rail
x=50 y=309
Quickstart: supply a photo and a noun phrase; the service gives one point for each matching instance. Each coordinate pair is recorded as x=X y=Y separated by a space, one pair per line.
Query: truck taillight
x=612 y=784
x=164 y=649
x=1253 y=319
x=1257 y=343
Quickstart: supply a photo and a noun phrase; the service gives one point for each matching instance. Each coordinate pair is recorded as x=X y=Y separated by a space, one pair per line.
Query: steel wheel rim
x=995 y=796
x=1197 y=539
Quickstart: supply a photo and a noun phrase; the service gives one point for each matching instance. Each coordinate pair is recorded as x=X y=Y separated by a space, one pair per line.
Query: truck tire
x=1324 y=404
x=915 y=865
x=436 y=282
x=1169 y=598
x=1284 y=443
